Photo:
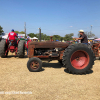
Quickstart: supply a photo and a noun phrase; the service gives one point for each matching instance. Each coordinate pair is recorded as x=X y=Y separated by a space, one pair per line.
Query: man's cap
x=81 y=31
x=12 y=30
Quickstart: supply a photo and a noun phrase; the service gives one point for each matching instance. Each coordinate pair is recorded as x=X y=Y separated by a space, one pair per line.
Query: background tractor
x=96 y=49
x=18 y=48
x=77 y=58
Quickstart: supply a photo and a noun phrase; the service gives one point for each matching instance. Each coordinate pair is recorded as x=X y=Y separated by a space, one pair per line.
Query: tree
x=32 y=35
x=16 y=31
x=90 y=34
x=56 y=37
x=43 y=36
x=1 y=30
x=22 y=32
x=68 y=37
x=47 y=38
x=62 y=38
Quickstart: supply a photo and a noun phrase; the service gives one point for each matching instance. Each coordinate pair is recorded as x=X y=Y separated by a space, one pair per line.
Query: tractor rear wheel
x=21 y=49
x=3 y=49
x=78 y=58
x=34 y=64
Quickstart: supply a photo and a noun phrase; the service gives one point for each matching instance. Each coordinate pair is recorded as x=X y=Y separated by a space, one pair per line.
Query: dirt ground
x=52 y=83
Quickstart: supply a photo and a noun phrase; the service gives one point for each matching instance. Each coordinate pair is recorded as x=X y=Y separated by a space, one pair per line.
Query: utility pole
x=25 y=29
x=91 y=29
x=39 y=34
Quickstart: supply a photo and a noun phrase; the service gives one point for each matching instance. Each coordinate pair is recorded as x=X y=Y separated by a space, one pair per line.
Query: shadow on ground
x=10 y=56
x=38 y=71
x=89 y=72
x=53 y=65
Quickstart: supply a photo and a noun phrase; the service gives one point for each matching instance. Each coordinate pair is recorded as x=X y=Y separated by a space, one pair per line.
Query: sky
x=54 y=17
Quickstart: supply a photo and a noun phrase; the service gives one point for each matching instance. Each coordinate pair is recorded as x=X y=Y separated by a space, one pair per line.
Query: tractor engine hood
x=48 y=44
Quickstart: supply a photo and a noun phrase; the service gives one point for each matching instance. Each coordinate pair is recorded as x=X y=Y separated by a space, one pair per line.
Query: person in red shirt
x=12 y=36
x=28 y=40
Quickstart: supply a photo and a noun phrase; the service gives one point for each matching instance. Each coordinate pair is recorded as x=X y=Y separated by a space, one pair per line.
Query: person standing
x=28 y=37
x=82 y=37
x=28 y=40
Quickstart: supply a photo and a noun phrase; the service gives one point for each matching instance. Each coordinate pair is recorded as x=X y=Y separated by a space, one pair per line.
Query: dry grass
x=53 y=83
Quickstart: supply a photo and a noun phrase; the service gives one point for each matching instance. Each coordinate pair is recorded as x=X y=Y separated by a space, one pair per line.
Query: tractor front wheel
x=34 y=64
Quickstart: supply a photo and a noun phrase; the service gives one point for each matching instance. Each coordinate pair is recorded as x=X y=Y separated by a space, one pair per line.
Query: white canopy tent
x=5 y=36
x=34 y=38
x=97 y=39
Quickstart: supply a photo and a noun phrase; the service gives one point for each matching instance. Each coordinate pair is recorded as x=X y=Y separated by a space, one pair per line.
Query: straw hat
x=81 y=31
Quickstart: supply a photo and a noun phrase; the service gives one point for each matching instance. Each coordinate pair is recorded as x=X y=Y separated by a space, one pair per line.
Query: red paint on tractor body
x=11 y=47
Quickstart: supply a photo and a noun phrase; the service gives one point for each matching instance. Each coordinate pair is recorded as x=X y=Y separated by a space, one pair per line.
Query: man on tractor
x=82 y=37
x=12 y=37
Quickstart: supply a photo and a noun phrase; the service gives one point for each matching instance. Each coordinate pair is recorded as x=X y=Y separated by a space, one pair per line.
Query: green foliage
x=62 y=38
x=22 y=32
x=1 y=30
x=90 y=34
x=16 y=31
x=43 y=36
x=32 y=35
x=68 y=37
x=47 y=38
x=56 y=37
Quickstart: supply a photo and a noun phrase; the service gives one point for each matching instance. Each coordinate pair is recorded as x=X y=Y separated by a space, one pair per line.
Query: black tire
x=21 y=49
x=3 y=48
x=92 y=51
x=67 y=58
x=30 y=66
x=60 y=49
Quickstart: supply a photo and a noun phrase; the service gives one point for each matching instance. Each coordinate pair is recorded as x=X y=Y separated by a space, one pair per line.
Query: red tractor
x=96 y=49
x=77 y=58
x=18 y=48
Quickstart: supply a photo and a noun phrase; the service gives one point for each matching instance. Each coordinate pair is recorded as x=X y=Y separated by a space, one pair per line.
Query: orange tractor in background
x=18 y=48
x=96 y=49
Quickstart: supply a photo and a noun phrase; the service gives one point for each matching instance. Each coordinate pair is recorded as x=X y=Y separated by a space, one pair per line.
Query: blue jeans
x=15 y=42
x=27 y=51
x=85 y=43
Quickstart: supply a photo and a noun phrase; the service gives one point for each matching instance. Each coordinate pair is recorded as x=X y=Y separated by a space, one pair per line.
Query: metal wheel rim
x=79 y=59
x=34 y=65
